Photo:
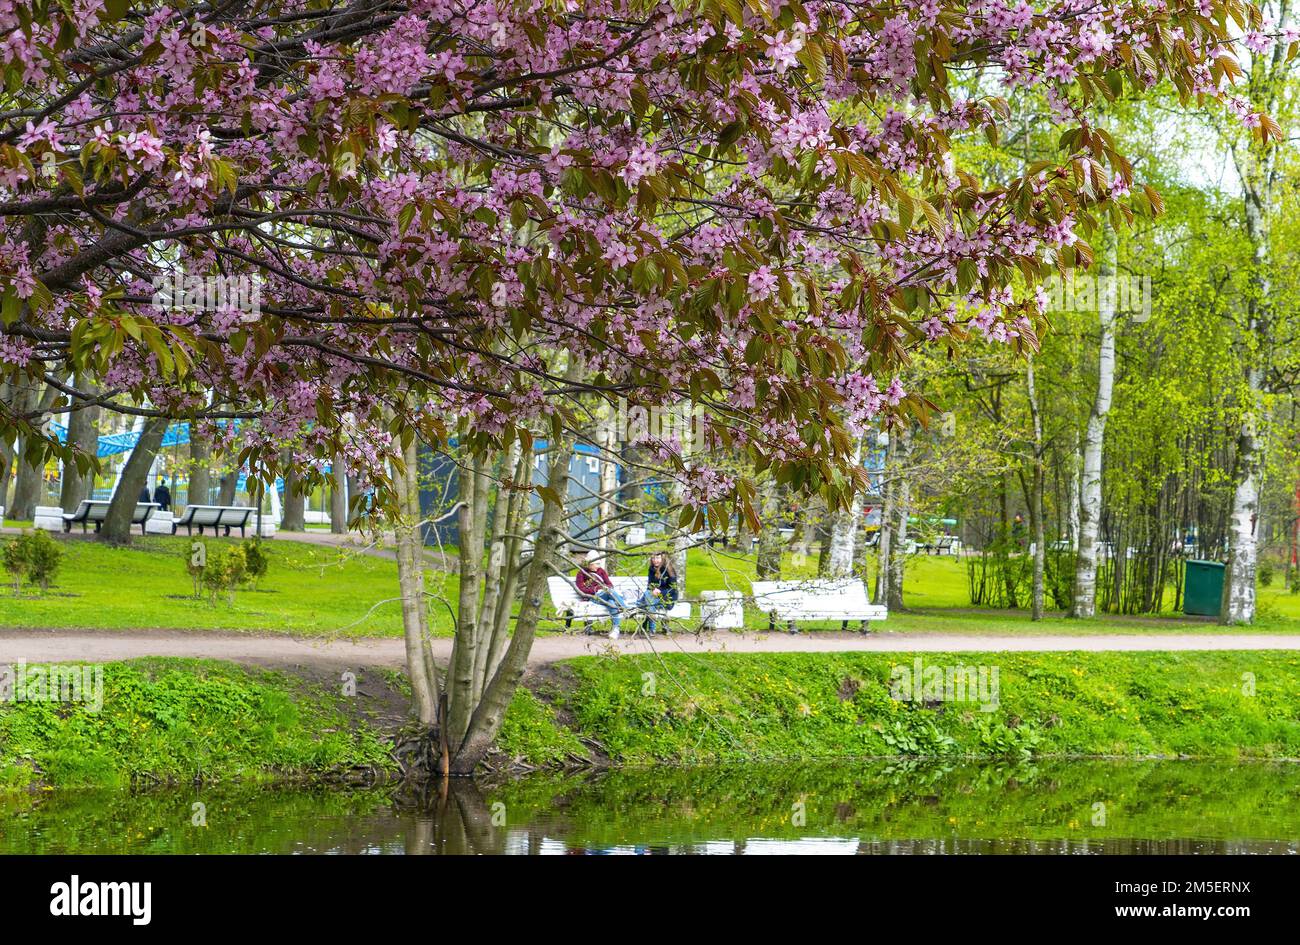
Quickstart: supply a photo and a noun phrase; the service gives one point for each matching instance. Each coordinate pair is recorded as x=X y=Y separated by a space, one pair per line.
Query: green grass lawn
x=324 y=591
x=935 y=590
x=308 y=589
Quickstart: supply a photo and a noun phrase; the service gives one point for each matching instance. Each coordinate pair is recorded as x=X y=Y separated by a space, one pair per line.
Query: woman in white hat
x=593 y=582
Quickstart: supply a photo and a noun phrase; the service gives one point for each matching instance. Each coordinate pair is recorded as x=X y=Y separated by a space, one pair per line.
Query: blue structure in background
x=440 y=486
x=114 y=443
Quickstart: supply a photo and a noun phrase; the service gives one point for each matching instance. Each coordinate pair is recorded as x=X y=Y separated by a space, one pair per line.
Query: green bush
x=15 y=562
x=1265 y=573
x=256 y=561
x=44 y=555
x=34 y=555
x=224 y=573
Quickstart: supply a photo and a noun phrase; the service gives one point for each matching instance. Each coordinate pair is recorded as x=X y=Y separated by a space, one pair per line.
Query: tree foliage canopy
x=752 y=206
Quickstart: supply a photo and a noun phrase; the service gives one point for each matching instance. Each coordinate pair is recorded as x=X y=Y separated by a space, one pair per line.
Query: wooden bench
x=214 y=517
x=794 y=601
x=571 y=604
x=94 y=511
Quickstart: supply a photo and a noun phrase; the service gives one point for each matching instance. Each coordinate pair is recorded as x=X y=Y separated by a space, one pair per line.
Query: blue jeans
x=610 y=600
x=650 y=602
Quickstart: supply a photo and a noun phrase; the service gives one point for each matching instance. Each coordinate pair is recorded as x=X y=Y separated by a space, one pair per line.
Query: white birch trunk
x=844 y=530
x=1085 y=574
x=1076 y=493
x=901 y=490
x=608 y=486
x=885 y=542
x=1036 y=498
x=1243 y=552
x=1239 y=575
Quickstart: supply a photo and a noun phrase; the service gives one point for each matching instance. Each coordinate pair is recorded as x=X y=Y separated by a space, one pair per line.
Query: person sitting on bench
x=593 y=581
x=661 y=587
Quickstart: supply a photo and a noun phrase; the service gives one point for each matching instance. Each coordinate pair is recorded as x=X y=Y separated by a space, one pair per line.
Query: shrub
x=44 y=556
x=15 y=562
x=224 y=573
x=256 y=560
x=34 y=555
x=1265 y=573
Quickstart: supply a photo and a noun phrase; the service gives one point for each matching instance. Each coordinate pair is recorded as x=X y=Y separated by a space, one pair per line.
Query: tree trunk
x=1036 y=495
x=338 y=497
x=844 y=529
x=229 y=487
x=200 y=483
x=607 y=516
x=18 y=400
x=898 y=538
x=410 y=576
x=1239 y=575
x=885 y=542
x=1075 y=497
x=1085 y=574
x=474 y=493
x=767 y=566
x=29 y=488
x=7 y=400
x=84 y=436
x=117 y=523
x=824 y=544
x=293 y=513
x=490 y=711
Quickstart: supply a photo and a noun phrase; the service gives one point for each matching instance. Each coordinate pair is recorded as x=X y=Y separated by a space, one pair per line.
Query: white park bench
x=94 y=511
x=214 y=517
x=572 y=605
x=792 y=602
x=942 y=545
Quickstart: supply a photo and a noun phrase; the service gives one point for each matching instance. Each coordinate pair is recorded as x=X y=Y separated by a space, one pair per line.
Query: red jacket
x=592 y=580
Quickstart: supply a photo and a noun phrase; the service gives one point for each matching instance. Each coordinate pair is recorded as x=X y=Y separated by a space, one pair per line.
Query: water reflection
x=1058 y=807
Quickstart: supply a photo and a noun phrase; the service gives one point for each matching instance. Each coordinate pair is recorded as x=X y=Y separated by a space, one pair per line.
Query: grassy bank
x=173 y=720
x=747 y=707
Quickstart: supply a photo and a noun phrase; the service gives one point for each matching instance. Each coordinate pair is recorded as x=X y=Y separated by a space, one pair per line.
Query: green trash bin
x=1203 y=589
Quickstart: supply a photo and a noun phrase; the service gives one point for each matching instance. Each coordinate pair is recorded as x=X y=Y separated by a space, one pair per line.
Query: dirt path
x=274 y=650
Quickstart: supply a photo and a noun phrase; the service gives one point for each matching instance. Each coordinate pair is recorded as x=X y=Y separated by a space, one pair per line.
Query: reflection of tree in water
x=871 y=807
x=448 y=817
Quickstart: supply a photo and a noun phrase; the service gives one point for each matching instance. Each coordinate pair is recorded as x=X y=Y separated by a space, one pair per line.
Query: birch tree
x=844 y=528
x=1255 y=161
x=900 y=499
x=1036 y=492
x=1085 y=575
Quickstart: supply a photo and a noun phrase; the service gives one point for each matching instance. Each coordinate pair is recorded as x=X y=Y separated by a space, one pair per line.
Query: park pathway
x=35 y=646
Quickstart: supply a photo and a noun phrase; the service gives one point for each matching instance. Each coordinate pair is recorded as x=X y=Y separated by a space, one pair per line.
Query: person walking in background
x=593 y=582
x=163 y=496
x=661 y=587
x=144 y=493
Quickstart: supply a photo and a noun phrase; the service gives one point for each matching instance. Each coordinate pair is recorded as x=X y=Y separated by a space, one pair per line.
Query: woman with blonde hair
x=661 y=587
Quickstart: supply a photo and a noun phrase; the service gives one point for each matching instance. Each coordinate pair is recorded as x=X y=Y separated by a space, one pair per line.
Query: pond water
x=873 y=807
